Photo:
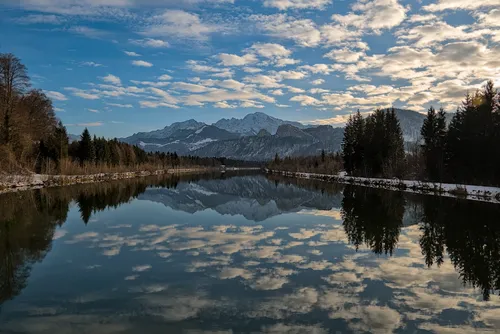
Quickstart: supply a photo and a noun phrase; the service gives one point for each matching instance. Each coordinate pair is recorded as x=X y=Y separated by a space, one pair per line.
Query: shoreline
x=469 y=192
x=14 y=183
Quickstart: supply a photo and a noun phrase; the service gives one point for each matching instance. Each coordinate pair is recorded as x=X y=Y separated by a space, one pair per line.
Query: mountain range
x=255 y=137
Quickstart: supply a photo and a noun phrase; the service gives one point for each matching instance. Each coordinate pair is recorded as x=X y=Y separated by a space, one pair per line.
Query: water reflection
x=245 y=253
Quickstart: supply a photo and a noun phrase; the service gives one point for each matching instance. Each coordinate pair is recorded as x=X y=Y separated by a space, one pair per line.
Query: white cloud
x=112 y=79
x=164 y=95
x=189 y=87
x=93 y=110
x=344 y=56
x=141 y=63
x=264 y=81
x=374 y=15
x=277 y=92
x=318 y=82
x=40 y=19
x=305 y=100
x=303 y=31
x=251 y=104
x=120 y=105
x=317 y=68
x=131 y=54
x=417 y=18
x=490 y=19
x=56 y=95
x=89 y=32
x=83 y=94
x=249 y=69
x=150 y=43
x=297 y=4
x=270 y=50
x=182 y=25
x=165 y=77
x=235 y=60
x=91 y=64
x=442 y=5
x=282 y=62
x=291 y=75
x=86 y=125
x=224 y=105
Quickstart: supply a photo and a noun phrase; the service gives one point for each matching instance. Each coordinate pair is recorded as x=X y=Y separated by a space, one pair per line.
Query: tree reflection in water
x=466 y=231
x=29 y=219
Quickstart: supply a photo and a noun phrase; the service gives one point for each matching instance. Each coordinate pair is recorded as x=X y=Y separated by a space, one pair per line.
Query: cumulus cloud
x=297 y=4
x=56 y=95
x=150 y=43
x=235 y=60
x=182 y=25
x=374 y=15
x=303 y=31
x=318 y=82
x=270 y=50
x=131 y=54
x=442 y=5
x=141 y=63
x=112 y=79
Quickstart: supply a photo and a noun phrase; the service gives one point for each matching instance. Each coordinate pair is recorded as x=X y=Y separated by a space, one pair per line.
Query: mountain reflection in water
x=246 y=254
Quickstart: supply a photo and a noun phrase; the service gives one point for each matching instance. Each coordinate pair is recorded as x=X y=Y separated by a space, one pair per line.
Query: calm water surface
x=246 y=254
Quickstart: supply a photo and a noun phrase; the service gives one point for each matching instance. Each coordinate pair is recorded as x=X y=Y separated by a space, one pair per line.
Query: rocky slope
x=256 y=137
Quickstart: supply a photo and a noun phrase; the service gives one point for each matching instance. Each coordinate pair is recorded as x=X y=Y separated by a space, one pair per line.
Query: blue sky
x=123 y=66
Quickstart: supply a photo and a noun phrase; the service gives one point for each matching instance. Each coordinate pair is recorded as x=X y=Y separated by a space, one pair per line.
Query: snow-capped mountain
x=170 y=130
x=288 y=141
x=256 y=137
x=180 y=137
x=251 y=124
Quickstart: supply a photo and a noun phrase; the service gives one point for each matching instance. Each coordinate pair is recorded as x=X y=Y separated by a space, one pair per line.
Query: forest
x=465 y=151
x=33 y=139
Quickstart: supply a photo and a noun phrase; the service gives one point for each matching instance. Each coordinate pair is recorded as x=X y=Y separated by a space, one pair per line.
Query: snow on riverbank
x=480 y=193
x=9 y=183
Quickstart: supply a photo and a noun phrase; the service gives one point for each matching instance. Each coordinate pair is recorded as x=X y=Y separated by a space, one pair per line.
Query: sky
x=124 y=66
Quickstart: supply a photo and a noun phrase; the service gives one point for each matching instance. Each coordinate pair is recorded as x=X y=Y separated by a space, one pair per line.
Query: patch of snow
x=201 y=143
x=199 y=130
x=143 y=144
x=199 y=189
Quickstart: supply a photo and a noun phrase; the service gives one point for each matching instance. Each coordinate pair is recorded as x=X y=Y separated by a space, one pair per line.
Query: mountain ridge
x=256 y=136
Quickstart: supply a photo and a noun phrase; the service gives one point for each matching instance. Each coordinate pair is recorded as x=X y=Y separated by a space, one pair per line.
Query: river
x=246 y=253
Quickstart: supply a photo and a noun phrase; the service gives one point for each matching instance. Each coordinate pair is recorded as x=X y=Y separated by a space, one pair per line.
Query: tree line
x=325 y=163
x=465 y=151
x=468 y=150
x=33 y=139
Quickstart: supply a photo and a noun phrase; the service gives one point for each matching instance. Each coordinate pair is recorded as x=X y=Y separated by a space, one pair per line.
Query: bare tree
x=14 y=81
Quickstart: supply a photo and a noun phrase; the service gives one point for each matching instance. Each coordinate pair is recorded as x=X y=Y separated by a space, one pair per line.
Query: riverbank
x=471 y=192
x=11 y=183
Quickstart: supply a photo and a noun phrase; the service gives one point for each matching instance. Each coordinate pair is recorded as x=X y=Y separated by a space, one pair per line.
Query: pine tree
x=348 y=146
x=86 y=148
x=434 y=135
x=359 y=143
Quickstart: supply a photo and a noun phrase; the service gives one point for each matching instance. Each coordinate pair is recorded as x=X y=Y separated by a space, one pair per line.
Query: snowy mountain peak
x=251 y=124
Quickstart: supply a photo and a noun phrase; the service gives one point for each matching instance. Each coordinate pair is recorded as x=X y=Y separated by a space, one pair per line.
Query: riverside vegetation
x=467 y=151
x=32 y=139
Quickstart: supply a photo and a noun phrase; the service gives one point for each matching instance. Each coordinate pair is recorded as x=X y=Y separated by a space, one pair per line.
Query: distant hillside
x=257 y=137
x=251 y=124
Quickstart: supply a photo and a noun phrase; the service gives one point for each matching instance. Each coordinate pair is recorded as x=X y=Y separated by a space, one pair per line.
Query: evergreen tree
x=86 y=148
x=434 y=135
x=395 y=156
x=359 y=143
x=348 y=144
